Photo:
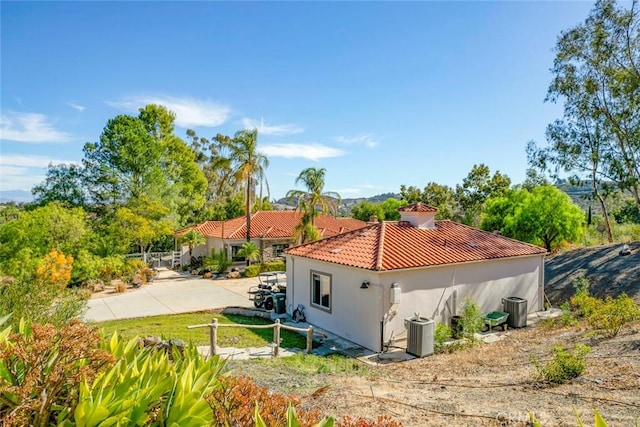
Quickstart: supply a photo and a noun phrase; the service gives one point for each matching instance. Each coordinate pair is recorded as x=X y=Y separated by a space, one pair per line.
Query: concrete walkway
x=172 y=293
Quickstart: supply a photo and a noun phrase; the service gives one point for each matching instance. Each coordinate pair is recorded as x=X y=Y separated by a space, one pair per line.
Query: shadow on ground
x=608 y=272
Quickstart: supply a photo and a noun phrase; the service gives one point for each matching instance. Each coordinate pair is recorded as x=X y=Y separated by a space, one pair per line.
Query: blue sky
x=378 y=93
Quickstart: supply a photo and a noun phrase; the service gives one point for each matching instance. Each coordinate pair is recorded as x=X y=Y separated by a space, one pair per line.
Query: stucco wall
x=432 y=292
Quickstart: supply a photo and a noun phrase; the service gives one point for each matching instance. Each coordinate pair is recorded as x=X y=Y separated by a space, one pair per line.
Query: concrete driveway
x=172 y=293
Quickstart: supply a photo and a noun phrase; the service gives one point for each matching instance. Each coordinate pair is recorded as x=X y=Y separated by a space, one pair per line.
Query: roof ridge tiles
x=380 y=253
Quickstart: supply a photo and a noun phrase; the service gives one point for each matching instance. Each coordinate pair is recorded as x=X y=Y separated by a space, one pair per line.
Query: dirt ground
x=490 y=385
x=608 y=272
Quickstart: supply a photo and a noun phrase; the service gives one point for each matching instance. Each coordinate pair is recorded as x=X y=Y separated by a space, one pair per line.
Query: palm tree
x=249 y=251
x=304 y=231
x=242 y=166
x=192 y=239
x=314 y=199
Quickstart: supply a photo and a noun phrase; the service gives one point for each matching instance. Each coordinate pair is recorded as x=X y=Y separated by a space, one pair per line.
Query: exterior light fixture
x=365 y=285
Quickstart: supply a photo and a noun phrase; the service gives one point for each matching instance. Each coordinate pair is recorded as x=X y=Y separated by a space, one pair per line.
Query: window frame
x=234 y=251
x=279 y=248
x=319 y=305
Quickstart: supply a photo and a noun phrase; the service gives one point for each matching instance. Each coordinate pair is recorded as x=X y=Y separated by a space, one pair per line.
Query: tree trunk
x=603 y=204
x=605 y=212
x=248 y=211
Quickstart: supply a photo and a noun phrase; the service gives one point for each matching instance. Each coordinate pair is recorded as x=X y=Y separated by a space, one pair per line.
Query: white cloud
x=277 y=130
x=189 y=112
x=13 y=170
x=22 y=172
x=305 y=151
x=76 y=106
x=352 y=191
x=365 y=139
x=28 y=161
x=30 y=127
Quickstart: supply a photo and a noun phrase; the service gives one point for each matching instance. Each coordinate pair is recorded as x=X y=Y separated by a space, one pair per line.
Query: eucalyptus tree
x=243 y=167
x=477 y=187
x=64 y=183
x=314 y=199
x=596 y=73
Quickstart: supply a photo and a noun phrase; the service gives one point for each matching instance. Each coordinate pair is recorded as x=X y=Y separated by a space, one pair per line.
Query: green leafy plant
x=233 y=400
x=249 y=251
x=564 y=365
x=218 y=262
x=613 y=313
x=471 y=319
x=41 y=369
x=441 y=334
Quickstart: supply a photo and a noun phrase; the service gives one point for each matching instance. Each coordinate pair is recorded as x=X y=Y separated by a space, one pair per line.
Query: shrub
x=441 y=334
x=274 y=266
x=255 y=269
x=40 y=295
x=113 y=267
x=564 y=365
x=471 y=319
x=218 y=262
x=41 y=369
x=582 y=304
x=252 y=270
x=613 y=313
x=86 y=267
x=235 y=399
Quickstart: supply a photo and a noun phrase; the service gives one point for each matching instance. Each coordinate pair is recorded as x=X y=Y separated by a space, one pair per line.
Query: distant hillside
x=608 y=272
x=345 y=207
x=18 y=196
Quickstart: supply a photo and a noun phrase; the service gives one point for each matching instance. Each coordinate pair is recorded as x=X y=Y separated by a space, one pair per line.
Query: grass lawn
x=175 y=326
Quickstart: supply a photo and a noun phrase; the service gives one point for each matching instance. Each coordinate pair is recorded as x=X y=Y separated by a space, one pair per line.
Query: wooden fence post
x=213 y=336
x=276 y=338
x=309 y=339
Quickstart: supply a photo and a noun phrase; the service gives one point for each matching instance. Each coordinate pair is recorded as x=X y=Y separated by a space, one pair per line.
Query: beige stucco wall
x=216 y=243
x=435 y=293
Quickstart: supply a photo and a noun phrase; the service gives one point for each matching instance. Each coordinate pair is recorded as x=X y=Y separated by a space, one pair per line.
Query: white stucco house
x=362 y=284
x=271 y=231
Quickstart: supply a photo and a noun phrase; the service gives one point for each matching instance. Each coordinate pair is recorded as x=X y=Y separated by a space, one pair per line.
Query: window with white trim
x=321 y=290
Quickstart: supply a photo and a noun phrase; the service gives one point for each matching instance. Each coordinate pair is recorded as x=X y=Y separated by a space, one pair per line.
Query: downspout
x=292 y=259
x=542 y=295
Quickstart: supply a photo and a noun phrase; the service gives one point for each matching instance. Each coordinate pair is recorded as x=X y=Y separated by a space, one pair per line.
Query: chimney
x=373 y=219
x=419 y=215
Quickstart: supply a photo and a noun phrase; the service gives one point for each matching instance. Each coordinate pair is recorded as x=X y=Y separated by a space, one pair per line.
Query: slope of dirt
x=608 y=272
x=486 y=385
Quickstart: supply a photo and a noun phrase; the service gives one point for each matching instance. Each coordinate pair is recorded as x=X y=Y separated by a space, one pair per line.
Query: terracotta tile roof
x=399 y=245
x=273 y=225
x=418 y=207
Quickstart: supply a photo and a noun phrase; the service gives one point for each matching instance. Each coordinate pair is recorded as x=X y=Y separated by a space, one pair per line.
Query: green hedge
x=255 y=269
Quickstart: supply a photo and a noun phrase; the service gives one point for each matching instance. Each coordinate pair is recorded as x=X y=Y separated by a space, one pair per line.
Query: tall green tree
x=596 y=73
x=477 y=187
x=440 y=196
x=314 y=199
x=141 y=157
x=64 y=183
x=243 y=165
x=545 y=216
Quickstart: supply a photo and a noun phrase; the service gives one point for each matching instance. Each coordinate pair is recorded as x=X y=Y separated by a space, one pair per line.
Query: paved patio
x=172 y=292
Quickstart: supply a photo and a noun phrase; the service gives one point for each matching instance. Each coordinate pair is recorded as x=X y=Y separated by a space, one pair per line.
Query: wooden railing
x=214 y=325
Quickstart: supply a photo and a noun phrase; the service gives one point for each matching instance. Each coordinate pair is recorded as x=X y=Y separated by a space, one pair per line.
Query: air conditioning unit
x=517 y=309
x=419 y=336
